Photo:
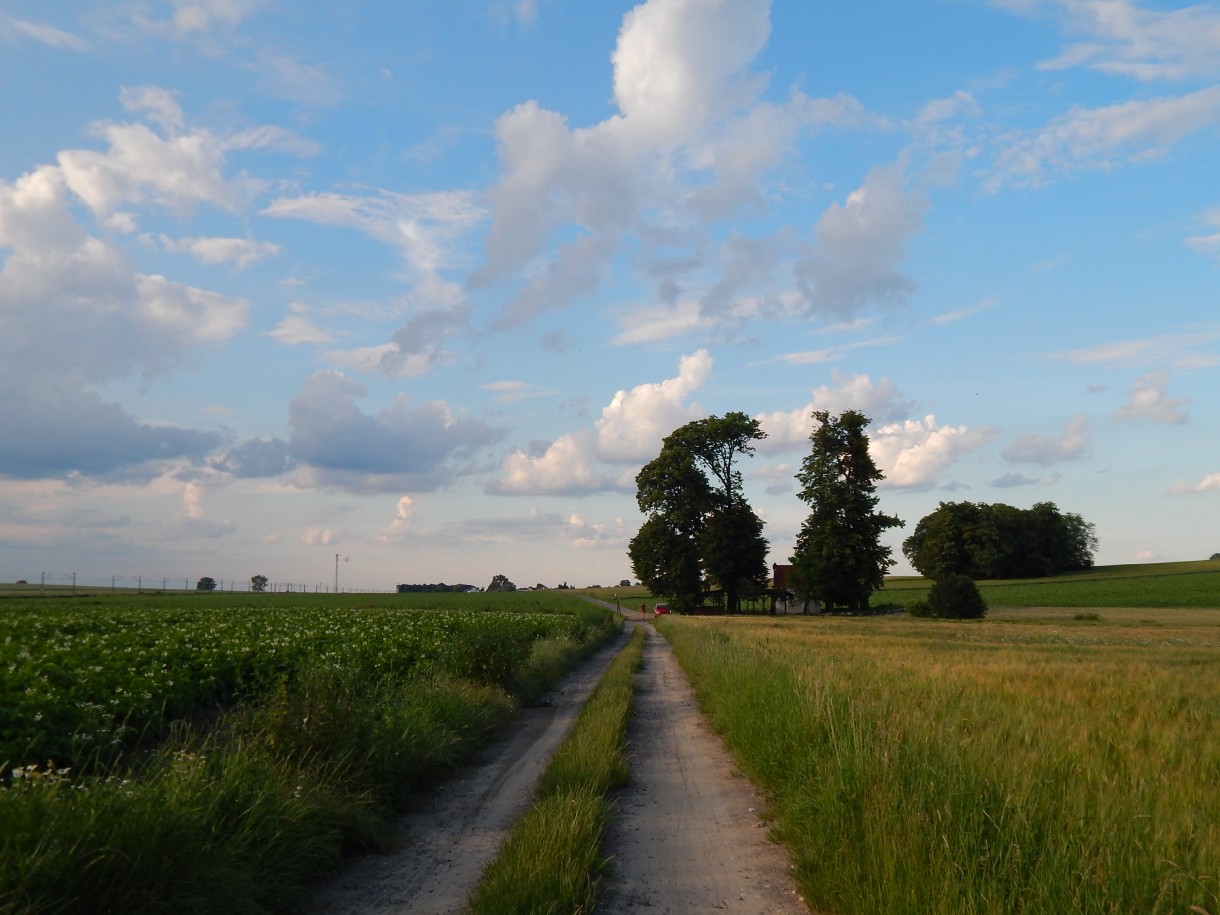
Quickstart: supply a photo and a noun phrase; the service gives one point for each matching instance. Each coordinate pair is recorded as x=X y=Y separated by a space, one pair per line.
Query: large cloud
x=404 y=447
x=60 y=431
x=77 y=315
x=629 y=431
x=913 y=454
x=681 y=65
x=634 y=422
x=689 y=146
x=860 y=246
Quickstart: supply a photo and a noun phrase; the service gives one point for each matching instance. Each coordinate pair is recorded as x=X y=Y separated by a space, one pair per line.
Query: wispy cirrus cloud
x=1120 y=38
x=1185 y=350
x=14 y=29
x=1103 y=138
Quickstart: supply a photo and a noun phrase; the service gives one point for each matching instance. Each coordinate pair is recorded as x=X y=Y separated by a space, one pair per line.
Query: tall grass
x=549 y=863
x=976 y=768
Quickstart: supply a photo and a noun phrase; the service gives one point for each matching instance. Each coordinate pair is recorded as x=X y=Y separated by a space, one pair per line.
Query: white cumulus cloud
x=633 y=424
x=880 y=401
x=914 y=453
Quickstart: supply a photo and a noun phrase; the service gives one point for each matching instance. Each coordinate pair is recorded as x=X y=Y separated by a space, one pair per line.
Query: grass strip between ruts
x=551 y=859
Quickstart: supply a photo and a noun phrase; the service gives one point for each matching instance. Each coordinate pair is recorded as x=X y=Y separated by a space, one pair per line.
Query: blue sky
x=423 y=285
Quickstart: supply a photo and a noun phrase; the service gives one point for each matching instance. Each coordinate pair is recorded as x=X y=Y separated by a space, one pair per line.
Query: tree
x=258 y=583
x=956 y=597
x=839 y=558
x=666 y=560
x=999 y=541
x=205 y=584
x=734 y=552
x=699 y=524
x=501 y=583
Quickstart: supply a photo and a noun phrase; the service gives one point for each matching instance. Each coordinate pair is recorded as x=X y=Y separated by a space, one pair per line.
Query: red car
x=659 y=609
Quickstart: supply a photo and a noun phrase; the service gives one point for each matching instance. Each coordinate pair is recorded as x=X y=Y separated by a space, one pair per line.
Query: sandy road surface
x=685 y=837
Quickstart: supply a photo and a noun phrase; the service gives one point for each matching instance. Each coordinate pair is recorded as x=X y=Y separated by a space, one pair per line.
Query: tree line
x=700 y=533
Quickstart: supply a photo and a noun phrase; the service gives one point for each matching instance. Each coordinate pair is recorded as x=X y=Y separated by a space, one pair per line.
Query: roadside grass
x=550 y=862
x=992 y=766
x=244 y=817
x=242 y=810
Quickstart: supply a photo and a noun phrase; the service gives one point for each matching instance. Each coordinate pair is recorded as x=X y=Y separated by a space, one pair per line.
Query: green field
x=1167 y=584
x=1061 y=755
x=208 y=752
x=195 y=752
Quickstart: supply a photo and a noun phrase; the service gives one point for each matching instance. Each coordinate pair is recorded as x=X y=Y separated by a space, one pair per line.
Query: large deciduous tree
x=839 y=558
x=699 y=524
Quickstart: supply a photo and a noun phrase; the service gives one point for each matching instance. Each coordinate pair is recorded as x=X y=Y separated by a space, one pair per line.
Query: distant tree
x=839 y=558
x=625 y=583
x=501 y=583
x=691 y=495
x=205 y=584
x=1214 y=556
x=258 y=583
x=999 y=541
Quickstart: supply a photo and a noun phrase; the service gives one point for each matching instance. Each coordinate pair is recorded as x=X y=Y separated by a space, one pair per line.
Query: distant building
x=783 y=599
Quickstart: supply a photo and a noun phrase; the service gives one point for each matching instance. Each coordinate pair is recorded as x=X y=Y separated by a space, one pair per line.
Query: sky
x=398 y=291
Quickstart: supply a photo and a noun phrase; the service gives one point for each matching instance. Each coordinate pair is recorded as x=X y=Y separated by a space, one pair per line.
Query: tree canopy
x=839 y=558
x=699 y=525
x=999 y=541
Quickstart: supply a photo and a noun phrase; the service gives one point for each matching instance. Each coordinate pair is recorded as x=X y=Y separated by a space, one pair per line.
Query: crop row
x=81 y=685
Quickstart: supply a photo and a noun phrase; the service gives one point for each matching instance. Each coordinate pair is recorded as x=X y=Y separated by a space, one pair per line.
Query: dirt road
x=685 y=837
x=442 y=848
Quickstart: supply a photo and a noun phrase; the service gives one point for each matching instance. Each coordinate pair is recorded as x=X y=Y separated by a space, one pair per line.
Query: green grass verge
x=986 y=767
x=549 y=863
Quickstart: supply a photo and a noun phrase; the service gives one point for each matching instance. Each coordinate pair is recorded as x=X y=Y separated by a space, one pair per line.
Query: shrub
x=919 y=609
x=955 y=596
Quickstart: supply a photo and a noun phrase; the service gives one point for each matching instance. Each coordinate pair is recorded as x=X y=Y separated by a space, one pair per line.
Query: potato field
x=220 y=751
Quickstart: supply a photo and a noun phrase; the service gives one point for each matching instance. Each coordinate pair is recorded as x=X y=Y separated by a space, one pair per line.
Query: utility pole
x=336 y=573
